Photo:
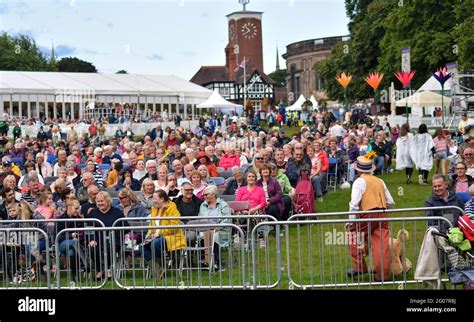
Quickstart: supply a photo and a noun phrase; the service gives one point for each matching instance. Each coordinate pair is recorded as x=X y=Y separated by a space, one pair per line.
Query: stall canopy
x=433 y=85
x=297 y=105
x=219 y=103
x=421 y=99
x=315 y=102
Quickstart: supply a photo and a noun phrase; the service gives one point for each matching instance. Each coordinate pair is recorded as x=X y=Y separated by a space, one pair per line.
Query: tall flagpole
x=245 y=86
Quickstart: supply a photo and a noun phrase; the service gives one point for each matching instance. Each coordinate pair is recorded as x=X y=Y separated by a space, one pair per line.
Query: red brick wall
x=249 y=48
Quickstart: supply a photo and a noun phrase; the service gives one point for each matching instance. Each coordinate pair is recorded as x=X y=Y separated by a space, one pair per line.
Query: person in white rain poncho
x=421 y=152
x=404 y=160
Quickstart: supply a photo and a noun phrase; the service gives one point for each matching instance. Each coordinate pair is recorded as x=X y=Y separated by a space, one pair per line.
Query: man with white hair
x=178 y=169
x=152 y=172
x=62 y=158
x=188 y=169
x=87 y=181
x=109 y=155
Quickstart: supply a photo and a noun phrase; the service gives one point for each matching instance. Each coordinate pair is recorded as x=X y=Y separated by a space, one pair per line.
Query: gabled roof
x=250 y=69
x=210 y=74
x=213 y=74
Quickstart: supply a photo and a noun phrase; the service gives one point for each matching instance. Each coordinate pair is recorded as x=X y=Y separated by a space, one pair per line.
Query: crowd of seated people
x=173 y=172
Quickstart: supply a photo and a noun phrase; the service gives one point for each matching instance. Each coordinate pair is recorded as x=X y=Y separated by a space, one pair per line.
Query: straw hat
x=365 y=165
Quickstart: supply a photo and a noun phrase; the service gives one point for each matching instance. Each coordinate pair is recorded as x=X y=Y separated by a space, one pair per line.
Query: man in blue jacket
x=443 y=197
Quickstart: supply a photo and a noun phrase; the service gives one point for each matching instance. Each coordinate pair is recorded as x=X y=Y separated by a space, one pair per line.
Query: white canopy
x=433 y=85
x=424 y=98
x=218 y=102
x=53 y=83
x=314 y=101
x=297 y=105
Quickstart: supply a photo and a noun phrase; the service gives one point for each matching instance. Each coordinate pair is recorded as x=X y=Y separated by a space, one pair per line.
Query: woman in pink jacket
x=252 y=193
x=229 y=160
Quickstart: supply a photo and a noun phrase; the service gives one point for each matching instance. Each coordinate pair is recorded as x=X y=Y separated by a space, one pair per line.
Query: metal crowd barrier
x=151 y=265
x=318 y=252
x=269 y=247
x=31 y=265
x=387 y=211
x=19 y=267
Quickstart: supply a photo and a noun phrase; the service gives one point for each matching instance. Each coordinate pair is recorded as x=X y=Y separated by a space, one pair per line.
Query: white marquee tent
x=219 y=103
x=297 y=105
x=51 y=94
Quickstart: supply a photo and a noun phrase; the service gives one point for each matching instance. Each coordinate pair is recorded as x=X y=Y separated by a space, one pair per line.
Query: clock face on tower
x=249 y=30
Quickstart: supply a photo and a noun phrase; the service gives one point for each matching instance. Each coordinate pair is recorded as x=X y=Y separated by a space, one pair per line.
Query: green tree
x=279 y=76
x=337 y=62
x=463 y=35
x=75 y=65
x=424 y=26
x=437 y=32
x=122 y=71
x=21 y=53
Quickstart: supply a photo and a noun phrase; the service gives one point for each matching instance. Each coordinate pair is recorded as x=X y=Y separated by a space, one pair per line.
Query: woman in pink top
x=253 y=194
x=441 y=150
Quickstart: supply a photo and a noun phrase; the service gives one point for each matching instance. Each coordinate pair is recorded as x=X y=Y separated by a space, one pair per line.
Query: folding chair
x=227 y=198
x=464 y=196
x=226 y=174
x=196 y=248
x=218 y=181
x=241 y=208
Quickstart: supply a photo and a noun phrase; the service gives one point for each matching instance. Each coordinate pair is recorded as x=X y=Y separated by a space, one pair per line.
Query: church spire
x=277 y=60
x=52 y=60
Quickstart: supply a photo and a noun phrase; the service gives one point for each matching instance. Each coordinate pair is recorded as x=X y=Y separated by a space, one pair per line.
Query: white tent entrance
x=217 y=102
x=297 y=106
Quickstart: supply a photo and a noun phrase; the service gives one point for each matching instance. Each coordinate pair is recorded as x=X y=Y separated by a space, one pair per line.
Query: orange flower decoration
x=370 y=155
x=374 y=80
x=344 y=79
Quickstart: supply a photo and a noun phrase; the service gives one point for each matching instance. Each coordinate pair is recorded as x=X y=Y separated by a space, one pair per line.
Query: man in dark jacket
x=380 y=147
x=299 y=163
x=442 y=197
x=237 y=182
x=188 y=204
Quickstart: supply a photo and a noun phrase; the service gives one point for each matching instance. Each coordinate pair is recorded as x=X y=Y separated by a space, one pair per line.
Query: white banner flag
x=406 y=60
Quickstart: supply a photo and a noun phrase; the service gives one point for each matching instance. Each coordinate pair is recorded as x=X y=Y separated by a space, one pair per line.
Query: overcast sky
x=164 y=36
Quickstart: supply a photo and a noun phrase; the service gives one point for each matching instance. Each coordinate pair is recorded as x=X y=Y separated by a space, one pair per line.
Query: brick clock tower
x=234 y=81
x=245 y=38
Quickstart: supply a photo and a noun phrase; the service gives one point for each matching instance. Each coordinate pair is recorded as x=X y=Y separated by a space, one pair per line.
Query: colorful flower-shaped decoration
x=370 y=155
x=405 y=77
x=344 y=79
x=374 y=80
x=442 y=75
